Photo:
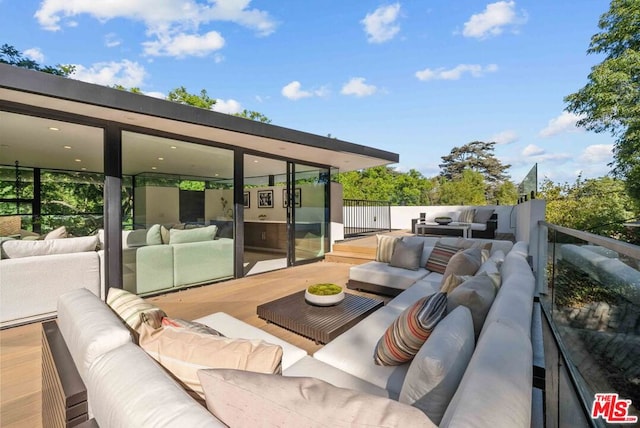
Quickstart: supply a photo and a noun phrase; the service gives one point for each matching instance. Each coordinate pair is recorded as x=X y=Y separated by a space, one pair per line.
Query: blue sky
x=415 y=77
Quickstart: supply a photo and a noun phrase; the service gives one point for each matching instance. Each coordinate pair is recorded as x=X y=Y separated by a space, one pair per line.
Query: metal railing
x=590 y=293
x=362 y=217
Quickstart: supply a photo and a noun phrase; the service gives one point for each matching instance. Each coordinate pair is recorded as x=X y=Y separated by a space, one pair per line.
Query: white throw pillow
x=15 y=249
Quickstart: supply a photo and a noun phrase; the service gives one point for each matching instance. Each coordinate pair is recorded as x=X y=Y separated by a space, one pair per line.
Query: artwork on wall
x=247 y=200
x=297 y=195
x=265 y=198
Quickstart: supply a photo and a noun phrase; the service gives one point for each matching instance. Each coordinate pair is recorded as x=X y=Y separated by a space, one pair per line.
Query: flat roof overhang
x=36 y=89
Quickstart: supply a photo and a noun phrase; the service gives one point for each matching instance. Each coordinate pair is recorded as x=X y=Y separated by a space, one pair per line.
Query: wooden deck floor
x=20 y=349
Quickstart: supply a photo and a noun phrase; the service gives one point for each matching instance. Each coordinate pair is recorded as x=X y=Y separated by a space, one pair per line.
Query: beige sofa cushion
x=244 y=399
x=200 y=234
x=14 y=249
x=183 y=352
x=436 y=371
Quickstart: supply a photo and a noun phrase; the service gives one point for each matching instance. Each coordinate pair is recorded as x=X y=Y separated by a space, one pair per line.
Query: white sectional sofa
x=33 y=274
x=381 y=278
x=454 y=380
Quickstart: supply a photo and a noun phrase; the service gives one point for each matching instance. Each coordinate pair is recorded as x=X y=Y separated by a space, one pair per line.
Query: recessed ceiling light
x=216 y=175
x=84 y=169
x=160 y=158
x=153 y=167
x=67 y=147
x=53 y=128
x=78 y=160
x=173 y=147
x=255 y=161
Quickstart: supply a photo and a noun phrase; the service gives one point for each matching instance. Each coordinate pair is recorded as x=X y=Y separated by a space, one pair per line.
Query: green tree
x=182 y=96
x=610 y=101
x=384 y=183
x=134 y=90
x=597 y=205
x=476 y=156
x=466 y=189
x=253 y=115
x=506 y=193
x=10 y=55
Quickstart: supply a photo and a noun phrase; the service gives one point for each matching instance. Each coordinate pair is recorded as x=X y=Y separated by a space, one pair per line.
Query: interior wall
x=156 y=205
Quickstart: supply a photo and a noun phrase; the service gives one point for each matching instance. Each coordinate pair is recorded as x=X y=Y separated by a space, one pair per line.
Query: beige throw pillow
x=243 y=399
x=59 y=233
x=385 y=247
x=407 y=255
x=183 y=352
x=131 y=309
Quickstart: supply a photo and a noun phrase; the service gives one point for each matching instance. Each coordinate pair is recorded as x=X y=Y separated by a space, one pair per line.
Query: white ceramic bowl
x=330 y=300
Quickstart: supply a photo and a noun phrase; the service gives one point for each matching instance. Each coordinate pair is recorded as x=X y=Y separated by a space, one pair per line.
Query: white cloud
x=532 y=150
x=294 y=91
x=357 y=87
x=597 y=153
x=112 y=40
x=493 y=20
x=155 y=94
x=229 y=106
x=126 y=73
x=380 y=25
x=505 y=137
x=533 y=153
x=456 y=73
x=34 y=54
x=173 y=24
x=181 y=45
x=566 y=122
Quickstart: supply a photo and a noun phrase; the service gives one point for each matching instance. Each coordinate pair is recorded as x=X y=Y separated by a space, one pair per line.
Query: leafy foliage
x=597 y=205
x=610 y=101
x=383 y=183
x=467 y=189
x=476 y=156
x=12 y=56
x=253 y=115
x=182 y=96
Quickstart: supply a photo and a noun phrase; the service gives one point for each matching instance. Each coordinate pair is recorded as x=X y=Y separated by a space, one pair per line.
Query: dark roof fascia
x=49 y=85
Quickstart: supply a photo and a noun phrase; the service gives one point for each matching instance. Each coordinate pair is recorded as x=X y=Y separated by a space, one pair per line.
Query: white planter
x=330 y=300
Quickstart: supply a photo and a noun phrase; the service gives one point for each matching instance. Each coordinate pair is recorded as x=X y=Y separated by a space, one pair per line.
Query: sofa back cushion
x=177 y=236
x=436 y=370
x=89 y=327
x=245 y=399
x=14 y=249
x=128 y=389
x=495 y=390
x=482 y=215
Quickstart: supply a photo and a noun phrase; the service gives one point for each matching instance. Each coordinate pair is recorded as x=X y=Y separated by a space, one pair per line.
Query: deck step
x=364 y=251
x=347 y=257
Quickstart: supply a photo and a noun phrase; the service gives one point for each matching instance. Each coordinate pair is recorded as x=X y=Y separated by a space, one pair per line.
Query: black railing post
x=363 y=216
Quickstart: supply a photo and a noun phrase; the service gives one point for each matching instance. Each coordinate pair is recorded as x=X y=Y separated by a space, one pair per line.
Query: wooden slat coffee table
x=320 y=323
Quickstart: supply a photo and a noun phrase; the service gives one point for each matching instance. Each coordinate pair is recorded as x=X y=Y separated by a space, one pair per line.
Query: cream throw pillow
x=243 y=399
x=133 y=309
x=183 y=352
x=386 y=245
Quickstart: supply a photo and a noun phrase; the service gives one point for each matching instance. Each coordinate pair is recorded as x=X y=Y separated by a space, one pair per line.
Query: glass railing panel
x=593 y=298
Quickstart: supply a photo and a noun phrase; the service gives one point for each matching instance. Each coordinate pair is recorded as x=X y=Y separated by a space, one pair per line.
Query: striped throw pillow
x=386 y=245
x=440 y=256
x=190 y=325
x=129 y=307
x=466 y=216
x=404 y=338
